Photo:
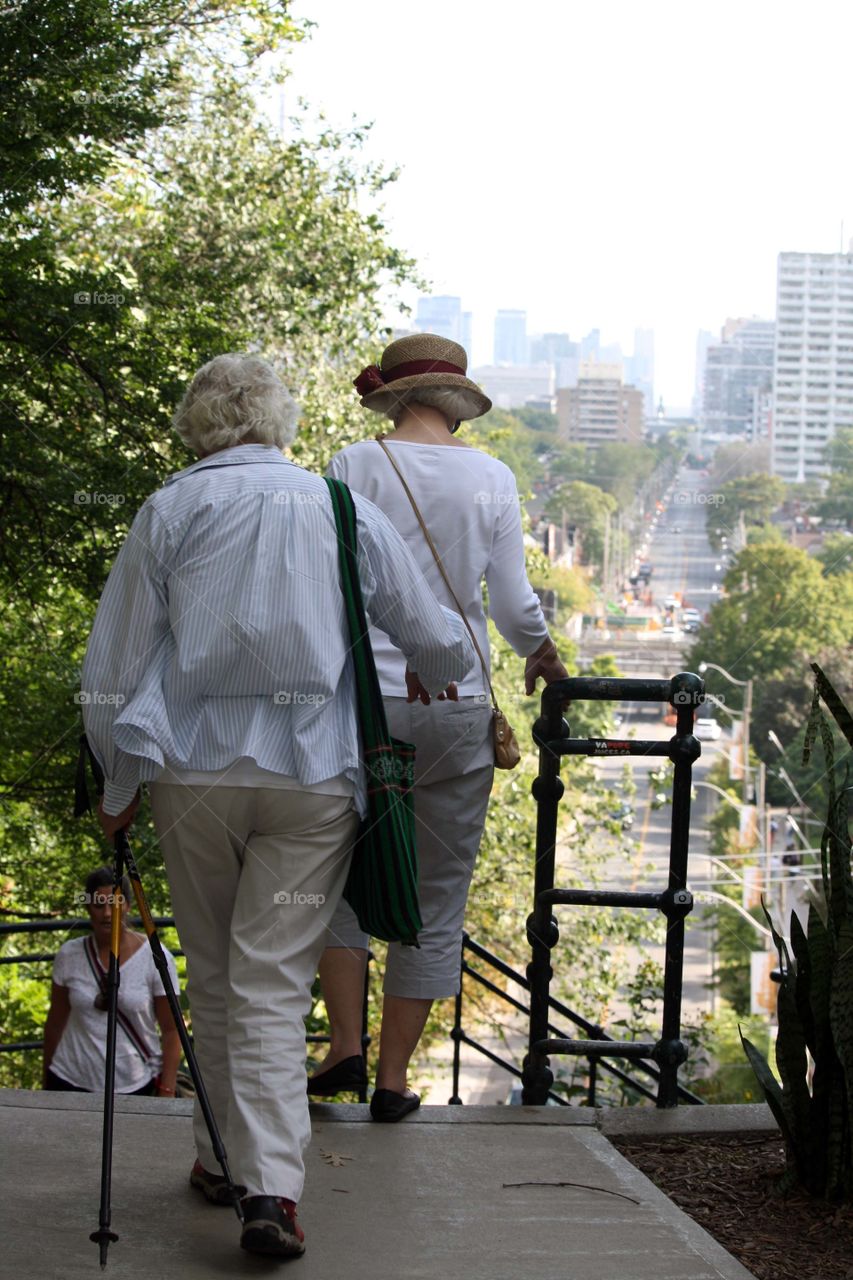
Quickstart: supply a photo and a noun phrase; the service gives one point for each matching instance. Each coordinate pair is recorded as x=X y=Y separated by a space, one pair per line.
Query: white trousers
x=454 y=769
x=255 y=876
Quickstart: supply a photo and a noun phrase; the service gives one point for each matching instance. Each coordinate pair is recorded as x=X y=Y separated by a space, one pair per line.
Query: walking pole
x=123 y=854
x=103 y=1237
x=124 y=851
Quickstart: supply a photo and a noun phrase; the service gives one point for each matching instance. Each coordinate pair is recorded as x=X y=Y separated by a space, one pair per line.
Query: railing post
x=542 y=932
x=456 y=1033
x=670 y=1051
x=593 y=1078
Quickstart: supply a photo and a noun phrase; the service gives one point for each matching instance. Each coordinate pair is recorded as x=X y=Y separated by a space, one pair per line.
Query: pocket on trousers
x=450 y=738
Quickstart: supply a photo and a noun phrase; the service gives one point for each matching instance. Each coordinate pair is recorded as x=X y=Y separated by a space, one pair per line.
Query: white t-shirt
x=80 y=1054
x=469 y=502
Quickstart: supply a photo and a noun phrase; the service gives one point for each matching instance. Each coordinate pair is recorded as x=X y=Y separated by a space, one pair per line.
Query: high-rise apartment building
x=813 y=360
x=601 y=409
x=442 y=315
x=511 y=337
x=737 y=369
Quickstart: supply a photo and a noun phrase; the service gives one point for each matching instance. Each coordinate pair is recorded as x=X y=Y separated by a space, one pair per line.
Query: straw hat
x=420 y=360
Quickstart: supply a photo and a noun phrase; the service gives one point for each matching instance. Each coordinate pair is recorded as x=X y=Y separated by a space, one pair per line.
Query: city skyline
x=630 y=187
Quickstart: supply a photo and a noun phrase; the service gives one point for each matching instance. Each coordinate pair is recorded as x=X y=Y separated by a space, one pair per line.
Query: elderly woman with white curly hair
x=218 y=671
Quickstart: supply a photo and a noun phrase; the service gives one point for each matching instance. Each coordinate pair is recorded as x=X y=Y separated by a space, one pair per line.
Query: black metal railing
x=629 y=1082
x=553 y=737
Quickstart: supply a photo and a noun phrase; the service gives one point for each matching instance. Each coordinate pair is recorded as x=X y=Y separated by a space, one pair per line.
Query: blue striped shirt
x=221 y=632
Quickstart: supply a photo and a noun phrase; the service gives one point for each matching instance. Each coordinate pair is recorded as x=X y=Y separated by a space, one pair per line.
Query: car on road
x=671 y=631
x=671 y=602
x=706 y=729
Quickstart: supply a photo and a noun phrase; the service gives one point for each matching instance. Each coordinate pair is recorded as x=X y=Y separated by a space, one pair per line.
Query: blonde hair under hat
x=420 y=360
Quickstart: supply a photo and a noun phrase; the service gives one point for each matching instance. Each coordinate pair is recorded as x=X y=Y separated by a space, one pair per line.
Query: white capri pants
x=454 y=768
x=255 y=875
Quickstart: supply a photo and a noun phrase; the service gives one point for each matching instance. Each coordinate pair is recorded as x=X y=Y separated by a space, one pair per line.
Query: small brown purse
x=507 y=752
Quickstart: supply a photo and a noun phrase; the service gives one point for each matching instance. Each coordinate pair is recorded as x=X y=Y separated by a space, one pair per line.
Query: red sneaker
x=270 y=1227
x=214 y=1185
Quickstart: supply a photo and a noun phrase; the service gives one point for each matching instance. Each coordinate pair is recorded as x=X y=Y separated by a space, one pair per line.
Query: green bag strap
x=374 y=726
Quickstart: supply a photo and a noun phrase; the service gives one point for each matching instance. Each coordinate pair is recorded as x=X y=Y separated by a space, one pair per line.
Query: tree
x=778 y=605
x=837 y=502
x=621 y=469
x=732 y=461
x=206 y=234
x=587 y=507
x=836 y=554
x=753 y=497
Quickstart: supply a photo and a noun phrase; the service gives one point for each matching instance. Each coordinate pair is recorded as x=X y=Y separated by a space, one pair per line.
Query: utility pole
x=747 y=713
x=605 y=568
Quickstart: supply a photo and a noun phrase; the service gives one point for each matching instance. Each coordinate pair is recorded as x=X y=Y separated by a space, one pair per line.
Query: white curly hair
x=235 y=399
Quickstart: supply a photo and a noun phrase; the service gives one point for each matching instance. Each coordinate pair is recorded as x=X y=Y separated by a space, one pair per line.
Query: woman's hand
x=545 y=662
x=415 y=690
x=113 y=822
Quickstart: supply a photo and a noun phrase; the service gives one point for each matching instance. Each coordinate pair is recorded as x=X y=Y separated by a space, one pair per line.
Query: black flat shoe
x=347 y=1076
x=388 y=1107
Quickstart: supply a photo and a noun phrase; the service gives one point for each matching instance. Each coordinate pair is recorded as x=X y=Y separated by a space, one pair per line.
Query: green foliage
x=815 y=1003
x=753 y=497
x=586 y=506
x=621 y=469
x=837 y=503
x=836 y=554
x=777 y=595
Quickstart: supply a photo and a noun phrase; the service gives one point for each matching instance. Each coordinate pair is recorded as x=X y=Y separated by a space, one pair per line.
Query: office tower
x=601 y=409
x=548 y=348
x=737 y=367
x=511 y=337
x=465 y=330
x=441 y=315
x=704 y=339
x=813 y=360
x=513 y=386
x=590 y=346
x=640 y=367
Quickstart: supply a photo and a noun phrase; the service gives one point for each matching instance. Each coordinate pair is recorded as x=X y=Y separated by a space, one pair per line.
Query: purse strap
x=380 y=440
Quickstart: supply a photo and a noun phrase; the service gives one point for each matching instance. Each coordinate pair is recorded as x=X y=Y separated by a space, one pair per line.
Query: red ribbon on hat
x=373 y=379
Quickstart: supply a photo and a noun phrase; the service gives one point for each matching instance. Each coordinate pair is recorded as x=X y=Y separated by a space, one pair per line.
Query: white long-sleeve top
x=469 y=502
x=221 y=634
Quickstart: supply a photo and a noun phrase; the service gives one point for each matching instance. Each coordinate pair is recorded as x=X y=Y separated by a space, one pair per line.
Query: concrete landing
x=425 y=1198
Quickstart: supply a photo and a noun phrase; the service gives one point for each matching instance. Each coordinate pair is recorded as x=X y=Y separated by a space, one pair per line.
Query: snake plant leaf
x=815 y=716
x=820 y=974
x=803 y=981
x=841 y=1010
x=770 y=1086
x=838 y=854
x=824 y=688
x=793 y=1066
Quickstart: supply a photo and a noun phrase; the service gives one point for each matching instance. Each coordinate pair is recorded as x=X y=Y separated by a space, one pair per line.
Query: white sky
x=609 y=164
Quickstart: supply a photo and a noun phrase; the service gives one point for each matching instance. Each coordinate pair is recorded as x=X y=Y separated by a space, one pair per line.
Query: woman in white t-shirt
x=470 y=506
x=147 y=1045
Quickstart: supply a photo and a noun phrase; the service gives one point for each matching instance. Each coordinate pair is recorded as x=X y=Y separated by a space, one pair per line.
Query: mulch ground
x=727 y=1185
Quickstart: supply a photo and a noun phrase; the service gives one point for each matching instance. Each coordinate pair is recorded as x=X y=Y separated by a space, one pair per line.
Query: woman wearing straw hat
x=468 y=507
